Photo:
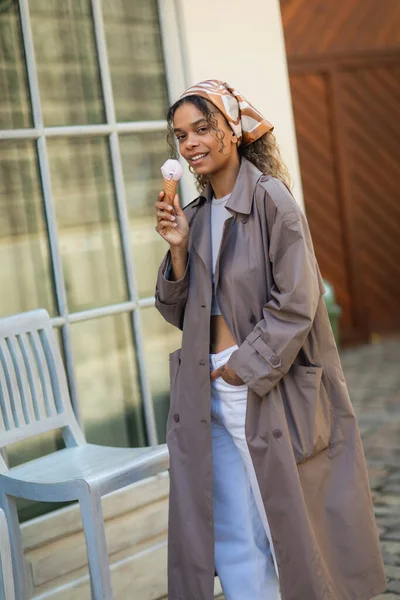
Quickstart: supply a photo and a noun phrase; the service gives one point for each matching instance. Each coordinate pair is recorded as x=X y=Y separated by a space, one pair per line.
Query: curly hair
x=263 y=153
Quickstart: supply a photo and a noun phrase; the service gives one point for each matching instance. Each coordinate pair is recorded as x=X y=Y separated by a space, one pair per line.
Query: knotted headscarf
x=245 y=121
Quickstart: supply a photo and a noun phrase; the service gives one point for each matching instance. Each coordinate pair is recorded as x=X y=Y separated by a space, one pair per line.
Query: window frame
x=111 y=129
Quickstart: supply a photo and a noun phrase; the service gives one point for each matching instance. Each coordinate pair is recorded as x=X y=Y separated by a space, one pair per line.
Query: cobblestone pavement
x=373 y=377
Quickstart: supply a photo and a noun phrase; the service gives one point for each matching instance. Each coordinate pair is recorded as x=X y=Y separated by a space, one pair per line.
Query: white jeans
x=244 y=555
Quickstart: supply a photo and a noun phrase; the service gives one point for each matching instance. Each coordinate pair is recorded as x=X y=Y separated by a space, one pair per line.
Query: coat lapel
x=239 y=204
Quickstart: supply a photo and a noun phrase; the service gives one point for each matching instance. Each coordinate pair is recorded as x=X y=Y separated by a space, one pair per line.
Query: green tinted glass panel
x=159 y=340
x=87 y=221
x=142 y=157
x=135 y=56
x=25 y=274
x=67 y=66
x=107 y=382
x=15 y=111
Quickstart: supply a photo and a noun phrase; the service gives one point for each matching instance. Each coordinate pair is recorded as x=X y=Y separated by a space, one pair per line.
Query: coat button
x=277 y=433
x=275 y=360
x=202 y=362
x=252 y=318
x=176 y=417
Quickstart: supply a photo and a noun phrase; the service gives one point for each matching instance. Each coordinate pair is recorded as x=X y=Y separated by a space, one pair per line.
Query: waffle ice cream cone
x=172 y=172
x=170 y=186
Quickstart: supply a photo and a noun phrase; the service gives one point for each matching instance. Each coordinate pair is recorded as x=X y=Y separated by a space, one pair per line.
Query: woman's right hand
x=172 y=224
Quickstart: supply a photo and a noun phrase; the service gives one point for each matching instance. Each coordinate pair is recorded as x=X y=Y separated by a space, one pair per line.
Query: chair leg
x=96 y=545
x=92 y=593
x=6 y=572
x=8 y=504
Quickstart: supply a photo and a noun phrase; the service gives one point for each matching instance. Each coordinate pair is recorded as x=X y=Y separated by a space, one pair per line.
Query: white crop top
x=219 y=214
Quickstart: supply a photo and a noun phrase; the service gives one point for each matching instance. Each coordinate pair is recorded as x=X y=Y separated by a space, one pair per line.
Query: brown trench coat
x=300 y=424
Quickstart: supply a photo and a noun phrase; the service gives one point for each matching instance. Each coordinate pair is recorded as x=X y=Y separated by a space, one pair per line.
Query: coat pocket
x=174 y=366
x=308 y=411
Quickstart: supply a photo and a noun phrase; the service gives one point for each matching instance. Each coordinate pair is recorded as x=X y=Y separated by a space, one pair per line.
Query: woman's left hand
x=227 y=374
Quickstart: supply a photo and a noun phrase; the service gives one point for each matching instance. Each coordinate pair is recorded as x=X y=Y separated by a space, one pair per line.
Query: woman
x=268 y=482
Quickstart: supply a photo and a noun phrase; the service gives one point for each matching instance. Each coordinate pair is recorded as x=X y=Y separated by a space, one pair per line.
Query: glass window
x=107 y=382
x=66 y=59
x=15 y=110
x=87 y=221
x=135 y=56
x=142 y=156
x=160 y=339
x=25 y=275
x=105 y=373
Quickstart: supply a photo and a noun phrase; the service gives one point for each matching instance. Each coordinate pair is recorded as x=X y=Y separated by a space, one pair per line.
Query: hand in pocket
x=227 y=374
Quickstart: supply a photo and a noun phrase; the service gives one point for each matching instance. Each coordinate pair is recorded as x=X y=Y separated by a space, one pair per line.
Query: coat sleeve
x=270 y=349
x=171 y=296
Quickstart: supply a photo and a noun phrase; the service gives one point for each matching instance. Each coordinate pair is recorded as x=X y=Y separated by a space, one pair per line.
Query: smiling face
x=209 y=148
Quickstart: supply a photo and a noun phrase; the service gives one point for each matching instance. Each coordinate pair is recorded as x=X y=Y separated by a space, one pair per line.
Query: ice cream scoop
x=171 y=172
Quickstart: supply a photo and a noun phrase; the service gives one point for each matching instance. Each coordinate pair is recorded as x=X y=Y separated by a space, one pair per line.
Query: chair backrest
x=6 y=572
x=34 y=396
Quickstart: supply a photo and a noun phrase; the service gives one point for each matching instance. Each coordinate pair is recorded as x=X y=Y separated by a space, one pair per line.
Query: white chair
x=6 y=574
x=34 y=398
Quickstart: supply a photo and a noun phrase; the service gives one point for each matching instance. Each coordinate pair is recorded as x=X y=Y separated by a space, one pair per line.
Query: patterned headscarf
x=245 y=121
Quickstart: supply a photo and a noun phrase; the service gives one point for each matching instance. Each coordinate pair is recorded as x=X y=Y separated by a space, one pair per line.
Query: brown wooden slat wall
x=334 y=26
x=311 y=109
x=344 y=64
x=371 y=105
